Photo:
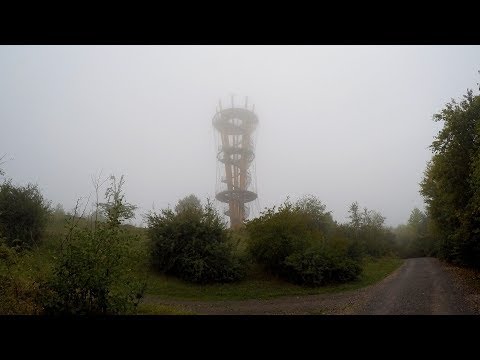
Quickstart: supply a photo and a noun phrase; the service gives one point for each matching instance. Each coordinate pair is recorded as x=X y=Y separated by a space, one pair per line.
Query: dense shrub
x=301 y=243
x=321 y=265
x=277 y=234
x=314 y=211
x=23 y=214
x=193 y=244
x=17 y=291
x=96 y=268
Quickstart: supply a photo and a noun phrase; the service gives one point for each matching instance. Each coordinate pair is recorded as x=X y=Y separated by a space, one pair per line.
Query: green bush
x=23 y=214
x=277 y=234
x=301 y=243
x=320 y=266
x=96 y=268
x=193 y=244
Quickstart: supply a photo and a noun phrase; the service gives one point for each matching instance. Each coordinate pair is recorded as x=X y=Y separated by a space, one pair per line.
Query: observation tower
x=235 y=153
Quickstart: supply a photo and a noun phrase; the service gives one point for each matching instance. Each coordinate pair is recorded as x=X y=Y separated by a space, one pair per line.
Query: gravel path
x=420 y=286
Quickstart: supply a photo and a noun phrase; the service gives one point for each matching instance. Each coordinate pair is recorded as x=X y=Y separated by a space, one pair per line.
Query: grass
x=263 y=288
x=160 y=309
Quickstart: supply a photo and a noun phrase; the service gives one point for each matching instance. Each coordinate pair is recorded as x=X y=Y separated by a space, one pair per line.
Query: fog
x=344 y=123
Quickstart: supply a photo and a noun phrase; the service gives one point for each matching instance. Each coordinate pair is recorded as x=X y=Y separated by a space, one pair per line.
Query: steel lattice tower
x=235 y=126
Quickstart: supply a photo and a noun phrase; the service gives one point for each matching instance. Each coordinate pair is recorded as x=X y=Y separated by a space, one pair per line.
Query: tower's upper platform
x=235 y=121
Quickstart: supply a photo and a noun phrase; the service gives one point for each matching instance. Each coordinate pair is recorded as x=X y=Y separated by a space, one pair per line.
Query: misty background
x=344 y=123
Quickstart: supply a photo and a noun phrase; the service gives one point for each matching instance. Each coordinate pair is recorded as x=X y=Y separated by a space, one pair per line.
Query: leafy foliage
x=319 y=265
x=301 y=243
x=277 y=234
x=367 y=229
x=23 y=214
x=188 y=202
x=416 y=239
x=2 y=172
x=96 y=268
x=451 y=184
x=193 y=243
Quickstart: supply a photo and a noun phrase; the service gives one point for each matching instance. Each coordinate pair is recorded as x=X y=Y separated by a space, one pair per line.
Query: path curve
x=421 y=286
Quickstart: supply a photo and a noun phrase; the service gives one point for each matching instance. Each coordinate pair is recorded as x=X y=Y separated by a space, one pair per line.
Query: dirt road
x=421 y=286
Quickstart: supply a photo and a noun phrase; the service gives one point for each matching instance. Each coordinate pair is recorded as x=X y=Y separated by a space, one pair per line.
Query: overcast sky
x=344 y=123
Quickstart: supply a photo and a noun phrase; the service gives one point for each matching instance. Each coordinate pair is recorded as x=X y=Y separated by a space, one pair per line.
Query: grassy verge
x=266 y=288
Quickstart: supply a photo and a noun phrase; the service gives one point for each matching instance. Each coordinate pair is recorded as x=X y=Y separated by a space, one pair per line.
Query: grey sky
x=344 y=123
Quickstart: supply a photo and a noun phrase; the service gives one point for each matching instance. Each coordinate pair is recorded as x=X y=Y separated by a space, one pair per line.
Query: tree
x=377 y=239
x=415 y=239
x=368 y=230
x=96 y=270
x=23 y=214
x=418 y=221
x=190 y=202
x=116 y=209
x=451 y=183
x=355 y=216
x=312 y=208
x=2 y=172
x=59 y=211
